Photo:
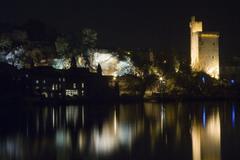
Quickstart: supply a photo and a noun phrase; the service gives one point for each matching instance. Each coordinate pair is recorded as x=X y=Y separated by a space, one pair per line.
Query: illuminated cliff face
x=204 y=50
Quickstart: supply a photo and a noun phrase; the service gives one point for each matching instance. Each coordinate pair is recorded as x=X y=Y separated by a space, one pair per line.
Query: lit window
x=53 y=87
x=82 y=92
x=45 y=94
x=56 y=87
x=82 y=85
x=64 y=79
x=37 y=81
x=74 y=85
x=71 y=93
x=59 y=79
x=44 y=81
x=26 y=75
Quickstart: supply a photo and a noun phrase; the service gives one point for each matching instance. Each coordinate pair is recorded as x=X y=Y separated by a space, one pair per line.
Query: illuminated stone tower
x=204 y=49
x=196 y=28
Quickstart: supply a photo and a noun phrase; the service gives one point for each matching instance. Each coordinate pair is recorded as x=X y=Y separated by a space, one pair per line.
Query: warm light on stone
x=204 y=50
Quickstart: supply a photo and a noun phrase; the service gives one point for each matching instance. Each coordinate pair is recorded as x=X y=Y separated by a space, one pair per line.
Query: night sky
x=132 y=24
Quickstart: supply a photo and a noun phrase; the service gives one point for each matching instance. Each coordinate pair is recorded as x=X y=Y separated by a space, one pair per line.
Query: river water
x=189 y=131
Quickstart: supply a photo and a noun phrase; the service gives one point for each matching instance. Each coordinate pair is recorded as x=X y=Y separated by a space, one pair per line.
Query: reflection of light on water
x=104 y=142
x=72 y=114
x=63 y=138
x=162 y=118
x=115 y=122
x=81 y=140
x=196 y=142
x=206 y=141
x=233 y=116
x=37 y=123
x=204 y=117
x=116 y=132
x=53 y=118
x=12 y=147
x=82 y=115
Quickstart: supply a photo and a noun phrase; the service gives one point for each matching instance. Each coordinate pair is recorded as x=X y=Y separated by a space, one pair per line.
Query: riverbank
x=16 y=100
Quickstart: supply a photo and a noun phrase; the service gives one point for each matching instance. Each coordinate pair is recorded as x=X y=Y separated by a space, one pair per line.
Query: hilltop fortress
x=204 y=49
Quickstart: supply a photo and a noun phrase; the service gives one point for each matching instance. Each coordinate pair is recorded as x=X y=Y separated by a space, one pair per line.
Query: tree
x=88 y=40
x=5 y=42
x=20 y=37
x=73 y=62
x=62 y=47
x=99 y=69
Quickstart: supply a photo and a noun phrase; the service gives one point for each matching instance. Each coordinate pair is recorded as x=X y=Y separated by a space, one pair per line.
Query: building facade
x=71 y=84
x=204 y=49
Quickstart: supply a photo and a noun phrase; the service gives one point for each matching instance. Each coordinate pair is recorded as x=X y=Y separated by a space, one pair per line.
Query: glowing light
x=232 y=81
x=107 y=61
x=213 y=71
x=45 y=94
x=209 y=35
x=71 y=93
x=74 y=85
x=114 y=76
x=110 y=63
x=203 y=79
x=61 y=63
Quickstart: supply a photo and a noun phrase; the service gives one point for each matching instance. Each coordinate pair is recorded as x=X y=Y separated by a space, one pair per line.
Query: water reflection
x=130 y=131
x=206 y=138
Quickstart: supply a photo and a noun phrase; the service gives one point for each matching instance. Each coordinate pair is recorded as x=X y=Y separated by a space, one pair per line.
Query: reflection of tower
x=206 y=140
x=204 y=49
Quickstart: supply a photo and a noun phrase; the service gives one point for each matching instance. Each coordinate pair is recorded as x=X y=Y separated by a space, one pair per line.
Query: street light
x=161 y=86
